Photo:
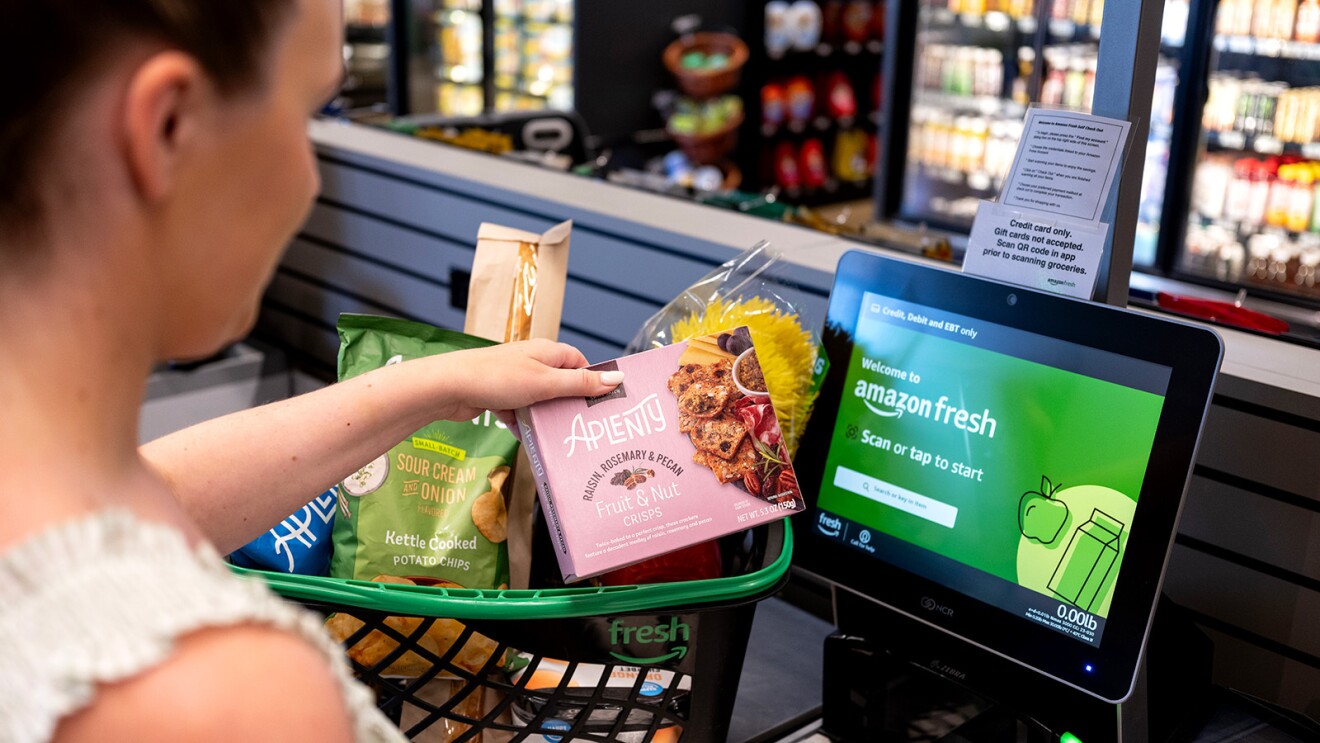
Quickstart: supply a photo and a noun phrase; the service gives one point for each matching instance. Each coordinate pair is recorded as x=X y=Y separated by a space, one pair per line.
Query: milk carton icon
x=1087 y=561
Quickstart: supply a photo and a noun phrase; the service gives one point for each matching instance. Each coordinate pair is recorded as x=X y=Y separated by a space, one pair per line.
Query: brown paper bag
x=517 y=293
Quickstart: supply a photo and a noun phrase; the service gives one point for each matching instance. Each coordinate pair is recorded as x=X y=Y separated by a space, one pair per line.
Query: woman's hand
x=514 y=375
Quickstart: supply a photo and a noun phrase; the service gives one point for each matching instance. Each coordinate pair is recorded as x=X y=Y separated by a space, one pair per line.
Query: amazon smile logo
x=626 y=637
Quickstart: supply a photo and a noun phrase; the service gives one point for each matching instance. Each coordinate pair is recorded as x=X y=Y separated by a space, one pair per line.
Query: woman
x=153 y=162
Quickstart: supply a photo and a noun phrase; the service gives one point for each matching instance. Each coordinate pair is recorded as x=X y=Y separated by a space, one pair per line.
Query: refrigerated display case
x=813 y=89
x=366 y=54
x=1253 y=217
x=468 y=57
x=977 y=65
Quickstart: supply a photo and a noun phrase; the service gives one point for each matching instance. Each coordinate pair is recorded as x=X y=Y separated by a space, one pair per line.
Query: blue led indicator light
x=1089 y=668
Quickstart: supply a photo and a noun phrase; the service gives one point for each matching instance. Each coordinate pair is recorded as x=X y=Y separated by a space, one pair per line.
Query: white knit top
x=104 y=598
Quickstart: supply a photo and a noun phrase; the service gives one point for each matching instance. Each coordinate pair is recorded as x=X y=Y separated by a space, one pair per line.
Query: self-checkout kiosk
x=998 y=474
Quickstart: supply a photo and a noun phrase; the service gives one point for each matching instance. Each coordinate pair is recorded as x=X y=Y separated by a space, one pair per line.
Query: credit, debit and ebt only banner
x=1045 y=231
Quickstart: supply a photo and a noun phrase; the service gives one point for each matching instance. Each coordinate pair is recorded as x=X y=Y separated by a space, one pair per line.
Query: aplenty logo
x=623 y=636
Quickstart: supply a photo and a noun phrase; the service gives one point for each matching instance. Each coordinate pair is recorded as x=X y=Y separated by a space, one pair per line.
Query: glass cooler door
x=459 y=68
x=533 y=55
x=978 y=65
x=1254 y=218
x=974 y=73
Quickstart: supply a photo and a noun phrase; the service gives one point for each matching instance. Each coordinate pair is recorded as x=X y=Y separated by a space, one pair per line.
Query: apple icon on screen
x=1040 y=516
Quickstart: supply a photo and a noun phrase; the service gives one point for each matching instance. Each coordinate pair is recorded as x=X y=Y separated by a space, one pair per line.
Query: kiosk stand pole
x=1125 y=76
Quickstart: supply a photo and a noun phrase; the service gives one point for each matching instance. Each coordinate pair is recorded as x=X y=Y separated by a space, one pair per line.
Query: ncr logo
x=930 y=604
x=664 y=636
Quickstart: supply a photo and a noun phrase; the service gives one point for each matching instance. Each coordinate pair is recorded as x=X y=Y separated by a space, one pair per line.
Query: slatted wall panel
x=389 y=241
x=385 y=239
x=1247 y=556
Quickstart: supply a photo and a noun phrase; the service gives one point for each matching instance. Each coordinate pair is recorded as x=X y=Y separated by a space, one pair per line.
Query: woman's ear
x=166 y=97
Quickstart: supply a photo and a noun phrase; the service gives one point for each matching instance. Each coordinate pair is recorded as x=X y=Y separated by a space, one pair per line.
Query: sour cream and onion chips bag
x=432 y=509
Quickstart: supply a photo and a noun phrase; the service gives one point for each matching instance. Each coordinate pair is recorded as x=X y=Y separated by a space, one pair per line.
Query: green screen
x=1017 y=469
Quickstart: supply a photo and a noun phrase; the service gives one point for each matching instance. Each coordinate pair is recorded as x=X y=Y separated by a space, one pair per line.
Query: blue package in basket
x=299 y=544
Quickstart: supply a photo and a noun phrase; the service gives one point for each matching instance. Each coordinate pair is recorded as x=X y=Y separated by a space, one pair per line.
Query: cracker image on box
x=687 y=449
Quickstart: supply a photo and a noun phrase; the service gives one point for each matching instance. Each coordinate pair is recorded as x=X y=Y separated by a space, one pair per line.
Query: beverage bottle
x=1259 y=248
x=1232 y=257
x=1074 y=86
x=1285 y=11
x=1269 y=105
x=1225 y=17
x=1051 y=91
x=1280 y=198
x=1307 y=28
x=1080 y=12
x=1302 y=198
x=1059 y=10
x=1307 y=263
x=1315 y=198
x=1259 y=196
x=1239 y=191
x=1087 y=562
x=1097 y=14
x=1243 y=17
x=1242 y=110
x=1212 y=184
x=1026 y=64
x=1088 y=88
x=1262 y=20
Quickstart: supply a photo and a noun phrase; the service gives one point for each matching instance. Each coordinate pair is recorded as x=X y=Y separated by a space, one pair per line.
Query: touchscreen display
x=1002 y=464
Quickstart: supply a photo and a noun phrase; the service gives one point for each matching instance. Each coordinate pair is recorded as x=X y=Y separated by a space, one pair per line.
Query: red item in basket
x=878 y=21
x=698 y=562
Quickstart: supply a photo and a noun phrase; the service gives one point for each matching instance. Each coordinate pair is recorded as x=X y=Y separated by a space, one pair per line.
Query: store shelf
x=1273 y=48
x=986 y=105
x=1069 y=31
x=827 y=51
x=1261 y=144
x=958 y=182
x=818 y=125
x=361 y=34
x=993 y=21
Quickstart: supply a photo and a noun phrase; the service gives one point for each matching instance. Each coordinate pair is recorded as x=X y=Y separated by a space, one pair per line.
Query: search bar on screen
x=892 y=495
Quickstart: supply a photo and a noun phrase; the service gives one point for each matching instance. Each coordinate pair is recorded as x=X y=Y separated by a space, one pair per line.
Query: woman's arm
x=238 y=475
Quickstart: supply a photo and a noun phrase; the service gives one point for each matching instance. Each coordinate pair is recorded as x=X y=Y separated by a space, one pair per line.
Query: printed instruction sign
x=1045 y=232
x=1034 y=249
x=1065 y=163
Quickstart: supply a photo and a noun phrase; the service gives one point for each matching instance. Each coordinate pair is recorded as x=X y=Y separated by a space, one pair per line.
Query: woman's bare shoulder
x=248 y=683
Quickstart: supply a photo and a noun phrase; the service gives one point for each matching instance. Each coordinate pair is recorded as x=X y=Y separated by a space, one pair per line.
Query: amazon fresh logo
x=663 y=636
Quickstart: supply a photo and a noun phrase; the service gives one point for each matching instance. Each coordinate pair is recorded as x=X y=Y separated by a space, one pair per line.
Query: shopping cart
x=666 y=657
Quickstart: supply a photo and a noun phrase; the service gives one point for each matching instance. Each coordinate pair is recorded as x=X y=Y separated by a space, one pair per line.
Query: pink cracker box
x=687 y=449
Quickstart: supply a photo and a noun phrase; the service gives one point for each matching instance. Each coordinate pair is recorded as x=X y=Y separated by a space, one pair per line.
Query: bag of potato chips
x=432 y=509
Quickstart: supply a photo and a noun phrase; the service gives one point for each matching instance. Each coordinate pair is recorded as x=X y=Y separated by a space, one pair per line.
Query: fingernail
x=611 y=378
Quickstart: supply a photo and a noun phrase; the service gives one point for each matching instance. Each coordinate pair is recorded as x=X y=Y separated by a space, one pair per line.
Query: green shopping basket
x=691 y=636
